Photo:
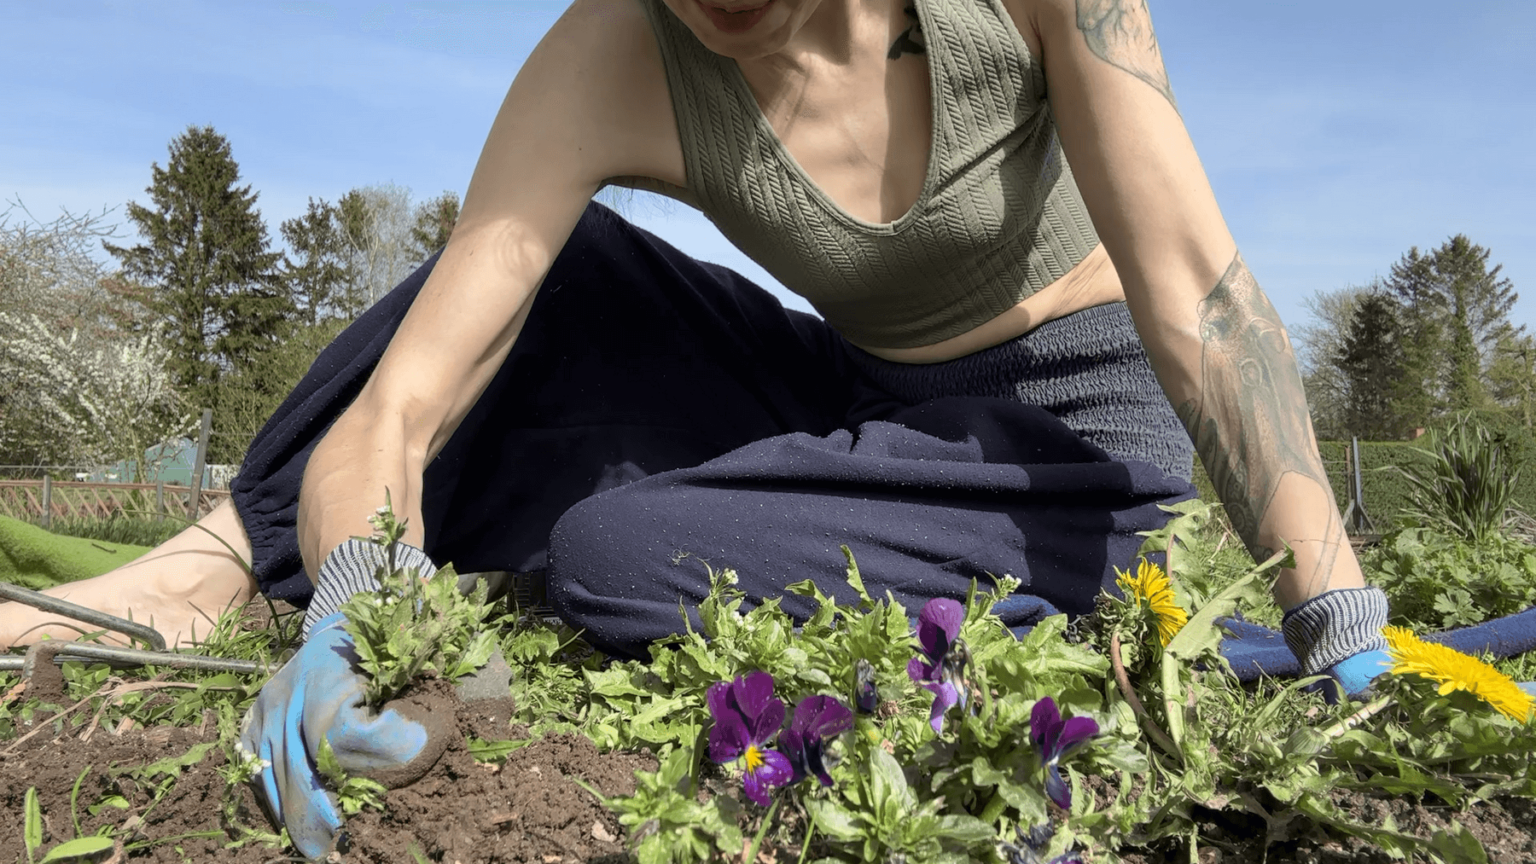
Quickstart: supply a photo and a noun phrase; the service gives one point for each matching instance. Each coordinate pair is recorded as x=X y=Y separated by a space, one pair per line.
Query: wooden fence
x=25 y=499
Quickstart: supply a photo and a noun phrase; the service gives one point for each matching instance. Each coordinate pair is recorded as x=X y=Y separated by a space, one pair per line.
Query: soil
x=529 y=809
x=1505 y=826
x=525 y=810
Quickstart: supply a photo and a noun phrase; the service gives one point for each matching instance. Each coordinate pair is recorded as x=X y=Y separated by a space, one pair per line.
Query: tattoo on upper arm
x=1120 y=33
x=910 y=40
x=1250 y=422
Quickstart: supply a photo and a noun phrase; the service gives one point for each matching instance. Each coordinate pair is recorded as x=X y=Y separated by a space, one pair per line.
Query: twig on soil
x=101 y=709
x=44 y=724
x=1124 y=680
x=107 y=698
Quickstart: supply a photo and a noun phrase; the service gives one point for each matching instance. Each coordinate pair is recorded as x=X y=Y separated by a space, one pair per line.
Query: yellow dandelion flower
x=1453 y=671
x=1151 y=585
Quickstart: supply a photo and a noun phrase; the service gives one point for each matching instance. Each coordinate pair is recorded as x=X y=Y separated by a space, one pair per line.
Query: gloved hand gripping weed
x=337 y=704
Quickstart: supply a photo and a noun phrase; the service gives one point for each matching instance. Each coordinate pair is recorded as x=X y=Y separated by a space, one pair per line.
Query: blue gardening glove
x=1338 y=633
x=1354 y=675
x=318 y=694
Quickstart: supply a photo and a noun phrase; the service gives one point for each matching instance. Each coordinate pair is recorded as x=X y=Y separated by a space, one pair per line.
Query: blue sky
x=1337 y=135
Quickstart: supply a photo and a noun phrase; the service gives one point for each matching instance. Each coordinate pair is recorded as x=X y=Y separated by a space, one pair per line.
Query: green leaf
x=493 y=751
x=967 y=830
x=116 y=801
x=887 y=783
x=1201 y=635
x=834 y=820
x=1458 y=846
x=221 y=681
x=170 y=766
x=474 y=656
x=325 y=760
x=856 y=582
x=32 y=818
x=78 y=848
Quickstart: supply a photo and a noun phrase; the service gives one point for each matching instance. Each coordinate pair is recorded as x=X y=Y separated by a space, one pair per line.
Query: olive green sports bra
x=999 y=216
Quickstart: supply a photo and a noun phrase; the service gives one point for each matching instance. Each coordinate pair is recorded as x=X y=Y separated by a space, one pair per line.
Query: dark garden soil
x=1506 y=828
x=528 y=809
x=525 y=810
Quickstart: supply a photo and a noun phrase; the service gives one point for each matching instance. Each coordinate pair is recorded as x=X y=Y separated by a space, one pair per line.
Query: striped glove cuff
x=350 y=568
x=1334 y=626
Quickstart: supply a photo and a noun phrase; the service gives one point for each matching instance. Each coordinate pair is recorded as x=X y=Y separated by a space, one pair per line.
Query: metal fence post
x=47 y=502
x=1356 y=519
x=199 y=463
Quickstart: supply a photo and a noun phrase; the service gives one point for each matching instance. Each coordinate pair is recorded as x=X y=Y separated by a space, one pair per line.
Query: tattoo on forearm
x=1120 y=33
x=910 y=40
x=1250 y=422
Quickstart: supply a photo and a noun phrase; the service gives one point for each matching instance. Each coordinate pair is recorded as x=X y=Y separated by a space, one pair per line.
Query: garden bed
x=527 y=809
x=1182 y=763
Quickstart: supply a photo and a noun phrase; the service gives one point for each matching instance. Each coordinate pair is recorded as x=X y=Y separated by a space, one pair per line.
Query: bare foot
x=180 y=588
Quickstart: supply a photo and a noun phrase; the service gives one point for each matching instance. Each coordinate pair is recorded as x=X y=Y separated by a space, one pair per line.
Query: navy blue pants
x=658 y=412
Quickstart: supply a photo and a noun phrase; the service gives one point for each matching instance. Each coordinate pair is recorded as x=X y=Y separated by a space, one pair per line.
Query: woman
x=978 y=400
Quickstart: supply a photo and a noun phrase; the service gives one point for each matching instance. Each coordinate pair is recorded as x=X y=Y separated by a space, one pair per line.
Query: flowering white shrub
x=66 y=400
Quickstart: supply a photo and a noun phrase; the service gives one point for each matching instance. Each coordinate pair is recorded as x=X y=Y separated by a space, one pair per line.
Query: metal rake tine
x=60 y=652
x=38 y=600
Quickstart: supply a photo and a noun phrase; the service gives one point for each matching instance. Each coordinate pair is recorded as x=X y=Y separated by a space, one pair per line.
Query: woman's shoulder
x=599 y=74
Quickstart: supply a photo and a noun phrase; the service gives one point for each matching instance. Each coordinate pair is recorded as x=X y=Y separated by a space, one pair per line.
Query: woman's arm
x=589 y=103
x=1215 y=341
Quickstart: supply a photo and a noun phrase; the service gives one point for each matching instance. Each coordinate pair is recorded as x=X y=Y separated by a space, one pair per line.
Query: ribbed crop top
x=999 y=216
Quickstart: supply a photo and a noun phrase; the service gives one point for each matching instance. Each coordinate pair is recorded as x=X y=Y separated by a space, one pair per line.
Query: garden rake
x=154 y=654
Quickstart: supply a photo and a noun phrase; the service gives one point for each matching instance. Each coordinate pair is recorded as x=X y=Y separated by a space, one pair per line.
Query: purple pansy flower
x=938 y=629
x=817 y=718
x=1054 y=739
x=747 y=716
x=1032 y=844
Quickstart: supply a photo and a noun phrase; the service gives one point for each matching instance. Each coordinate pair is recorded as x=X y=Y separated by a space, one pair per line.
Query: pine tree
x=205 y=264
x=1455 y=311
x=1370 y=359
x=320 y=267
x=434 y=221
x=1512 y=378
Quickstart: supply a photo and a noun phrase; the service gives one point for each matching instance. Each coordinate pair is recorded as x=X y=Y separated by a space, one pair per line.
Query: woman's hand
x=318 y=695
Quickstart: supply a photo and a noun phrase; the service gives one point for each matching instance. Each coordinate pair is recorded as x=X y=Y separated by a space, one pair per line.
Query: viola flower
x=817 y=718
x=1150 y=586
x=1055 y=739
x=938 y=629
x=1032 y=844
x=865 y=697
x=1453 y=670
x=747 y=717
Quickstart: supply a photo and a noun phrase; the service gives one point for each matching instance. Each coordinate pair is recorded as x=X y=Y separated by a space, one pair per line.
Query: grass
x=119 y=528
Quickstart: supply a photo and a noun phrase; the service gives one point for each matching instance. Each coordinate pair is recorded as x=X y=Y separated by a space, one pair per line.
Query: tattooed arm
x=1217 y=345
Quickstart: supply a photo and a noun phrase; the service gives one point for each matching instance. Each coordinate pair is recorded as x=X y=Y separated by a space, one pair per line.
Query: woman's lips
x=738 y=21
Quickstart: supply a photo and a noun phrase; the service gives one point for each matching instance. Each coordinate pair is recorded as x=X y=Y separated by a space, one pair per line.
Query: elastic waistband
x=1062 y=347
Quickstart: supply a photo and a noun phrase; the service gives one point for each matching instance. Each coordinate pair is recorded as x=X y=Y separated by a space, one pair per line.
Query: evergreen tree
x=1370 y=360
x=1512 y=378
x=1456 y=310
x=320 y=268
x=205 y=264
x=434 y=221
